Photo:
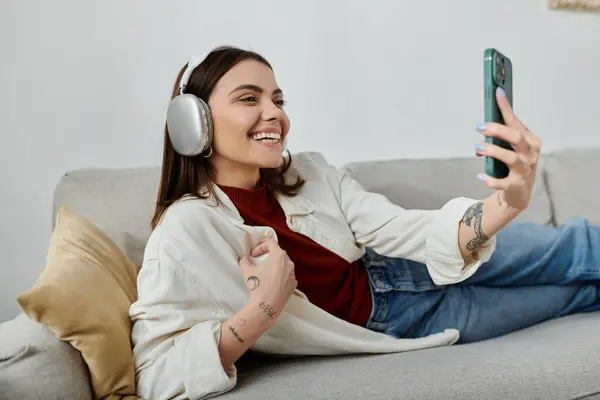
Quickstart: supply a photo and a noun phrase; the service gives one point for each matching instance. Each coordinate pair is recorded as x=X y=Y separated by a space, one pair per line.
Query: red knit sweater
x=329 y=281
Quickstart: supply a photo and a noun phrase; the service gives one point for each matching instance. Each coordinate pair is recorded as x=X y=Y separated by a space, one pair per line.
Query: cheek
x=285 y=124
x=233 y=123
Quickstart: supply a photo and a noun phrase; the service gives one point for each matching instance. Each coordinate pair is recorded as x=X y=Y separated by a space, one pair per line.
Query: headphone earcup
x=189 y=124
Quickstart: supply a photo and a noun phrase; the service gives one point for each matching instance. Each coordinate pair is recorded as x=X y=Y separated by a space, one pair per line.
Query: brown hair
x=183 y=175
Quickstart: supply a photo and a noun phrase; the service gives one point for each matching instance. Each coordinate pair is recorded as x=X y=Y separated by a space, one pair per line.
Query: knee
x=575 y=224
x=576 y=221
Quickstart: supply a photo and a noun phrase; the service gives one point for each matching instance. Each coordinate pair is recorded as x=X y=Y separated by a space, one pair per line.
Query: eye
x=280 y=103
x=249 y=99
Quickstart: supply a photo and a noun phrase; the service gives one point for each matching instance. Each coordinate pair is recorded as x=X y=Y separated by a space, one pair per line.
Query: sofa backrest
x=121 y=201
x=429 y=184
x=573 y=181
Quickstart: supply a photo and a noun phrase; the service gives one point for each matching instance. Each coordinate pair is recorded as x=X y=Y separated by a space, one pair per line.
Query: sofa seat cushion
x=36 y=365
x=558 y=359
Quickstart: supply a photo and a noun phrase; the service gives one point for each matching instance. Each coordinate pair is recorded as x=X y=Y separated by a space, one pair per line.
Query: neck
x=235 y=175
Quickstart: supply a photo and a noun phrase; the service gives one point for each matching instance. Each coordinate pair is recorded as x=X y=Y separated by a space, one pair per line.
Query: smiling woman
x=372 y=277
x=243 y=115
x=248 y=130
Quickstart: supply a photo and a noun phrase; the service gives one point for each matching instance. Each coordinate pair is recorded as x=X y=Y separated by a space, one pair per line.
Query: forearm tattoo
x=236 y=334
x=270 y=311
x=473 y=218
x=253 y=282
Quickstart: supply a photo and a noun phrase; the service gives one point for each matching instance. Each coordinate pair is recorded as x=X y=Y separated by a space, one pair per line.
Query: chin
x=274 y=163
x=265 y=156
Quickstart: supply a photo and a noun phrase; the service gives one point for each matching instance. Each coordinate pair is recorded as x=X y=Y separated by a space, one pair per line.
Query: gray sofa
x=558 y=359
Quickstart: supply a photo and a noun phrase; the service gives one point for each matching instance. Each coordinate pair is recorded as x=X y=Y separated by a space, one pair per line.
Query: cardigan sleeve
x=176 y=320
x=427 y=236
x=176 y=338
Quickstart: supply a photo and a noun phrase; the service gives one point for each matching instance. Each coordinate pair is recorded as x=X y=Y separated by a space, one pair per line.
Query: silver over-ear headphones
x=189 y=121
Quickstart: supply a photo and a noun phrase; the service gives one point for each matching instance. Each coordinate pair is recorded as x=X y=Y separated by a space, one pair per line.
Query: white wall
x=86 y=84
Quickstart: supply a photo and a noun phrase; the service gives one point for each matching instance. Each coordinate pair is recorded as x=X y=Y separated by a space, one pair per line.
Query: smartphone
x=497 y=72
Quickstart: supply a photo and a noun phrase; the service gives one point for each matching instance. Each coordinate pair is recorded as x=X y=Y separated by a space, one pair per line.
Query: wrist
x=505 y=207
x=263 y=310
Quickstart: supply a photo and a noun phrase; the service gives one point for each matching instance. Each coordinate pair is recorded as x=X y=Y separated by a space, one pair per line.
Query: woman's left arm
x=513 y=193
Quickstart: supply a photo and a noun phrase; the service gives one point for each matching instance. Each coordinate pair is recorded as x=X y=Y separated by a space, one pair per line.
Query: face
x=249 y=122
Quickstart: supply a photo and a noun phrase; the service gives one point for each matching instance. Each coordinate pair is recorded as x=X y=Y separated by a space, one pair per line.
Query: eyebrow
x=255 y=88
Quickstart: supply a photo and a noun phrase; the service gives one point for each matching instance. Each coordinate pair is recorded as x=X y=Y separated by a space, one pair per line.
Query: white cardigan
x=190 y=281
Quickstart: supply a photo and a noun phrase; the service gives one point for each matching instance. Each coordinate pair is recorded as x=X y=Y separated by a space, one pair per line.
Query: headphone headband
x=191 y=66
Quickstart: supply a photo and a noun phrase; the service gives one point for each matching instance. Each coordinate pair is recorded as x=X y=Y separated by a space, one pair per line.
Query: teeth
x=268 y=137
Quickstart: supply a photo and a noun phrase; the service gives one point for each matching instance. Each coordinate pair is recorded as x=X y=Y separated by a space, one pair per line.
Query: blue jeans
x=536 y=273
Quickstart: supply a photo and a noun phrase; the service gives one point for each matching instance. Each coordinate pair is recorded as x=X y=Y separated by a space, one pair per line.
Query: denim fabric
x=536 y=273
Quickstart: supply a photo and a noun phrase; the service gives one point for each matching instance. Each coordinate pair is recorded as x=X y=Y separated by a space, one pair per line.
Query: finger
x=535 y=143
x=513 y=136
x=510 y=119
x=268 y=246
x=245 y=262
x=508 y=157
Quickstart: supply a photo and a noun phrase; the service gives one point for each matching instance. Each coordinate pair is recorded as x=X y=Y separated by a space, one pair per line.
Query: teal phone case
x=497 y=70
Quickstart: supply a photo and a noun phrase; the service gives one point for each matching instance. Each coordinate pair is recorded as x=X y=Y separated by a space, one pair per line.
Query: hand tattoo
x=253 y=281
x=499 y=197
x=242 y=322
x=270 y=311
x=236 y=335
x=473 y=218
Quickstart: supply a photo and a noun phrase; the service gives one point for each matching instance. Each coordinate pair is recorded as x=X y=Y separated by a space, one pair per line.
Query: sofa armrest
x=35 y=364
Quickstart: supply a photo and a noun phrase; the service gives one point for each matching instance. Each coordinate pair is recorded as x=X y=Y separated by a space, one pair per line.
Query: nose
x=271 y=112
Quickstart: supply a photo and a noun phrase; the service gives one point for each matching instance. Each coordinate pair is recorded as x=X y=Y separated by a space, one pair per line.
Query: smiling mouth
x=266 y=137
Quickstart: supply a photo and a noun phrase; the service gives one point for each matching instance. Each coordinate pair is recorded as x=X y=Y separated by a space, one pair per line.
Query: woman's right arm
x=270 y=284
x=185 y=342
x=240 y=332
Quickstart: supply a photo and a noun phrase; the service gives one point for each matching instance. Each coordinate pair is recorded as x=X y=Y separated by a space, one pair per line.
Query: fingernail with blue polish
x=479 y=147
x=482 y=177
x=481 y=127
x=500 y=91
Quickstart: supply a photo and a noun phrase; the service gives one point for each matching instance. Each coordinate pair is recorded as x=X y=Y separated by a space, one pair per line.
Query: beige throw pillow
x=83 y=296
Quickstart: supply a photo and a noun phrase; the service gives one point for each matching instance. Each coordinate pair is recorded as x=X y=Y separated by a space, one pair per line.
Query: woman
x=346 y=270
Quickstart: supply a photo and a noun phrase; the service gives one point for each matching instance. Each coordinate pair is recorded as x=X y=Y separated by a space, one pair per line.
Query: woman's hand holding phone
x=522 y=162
